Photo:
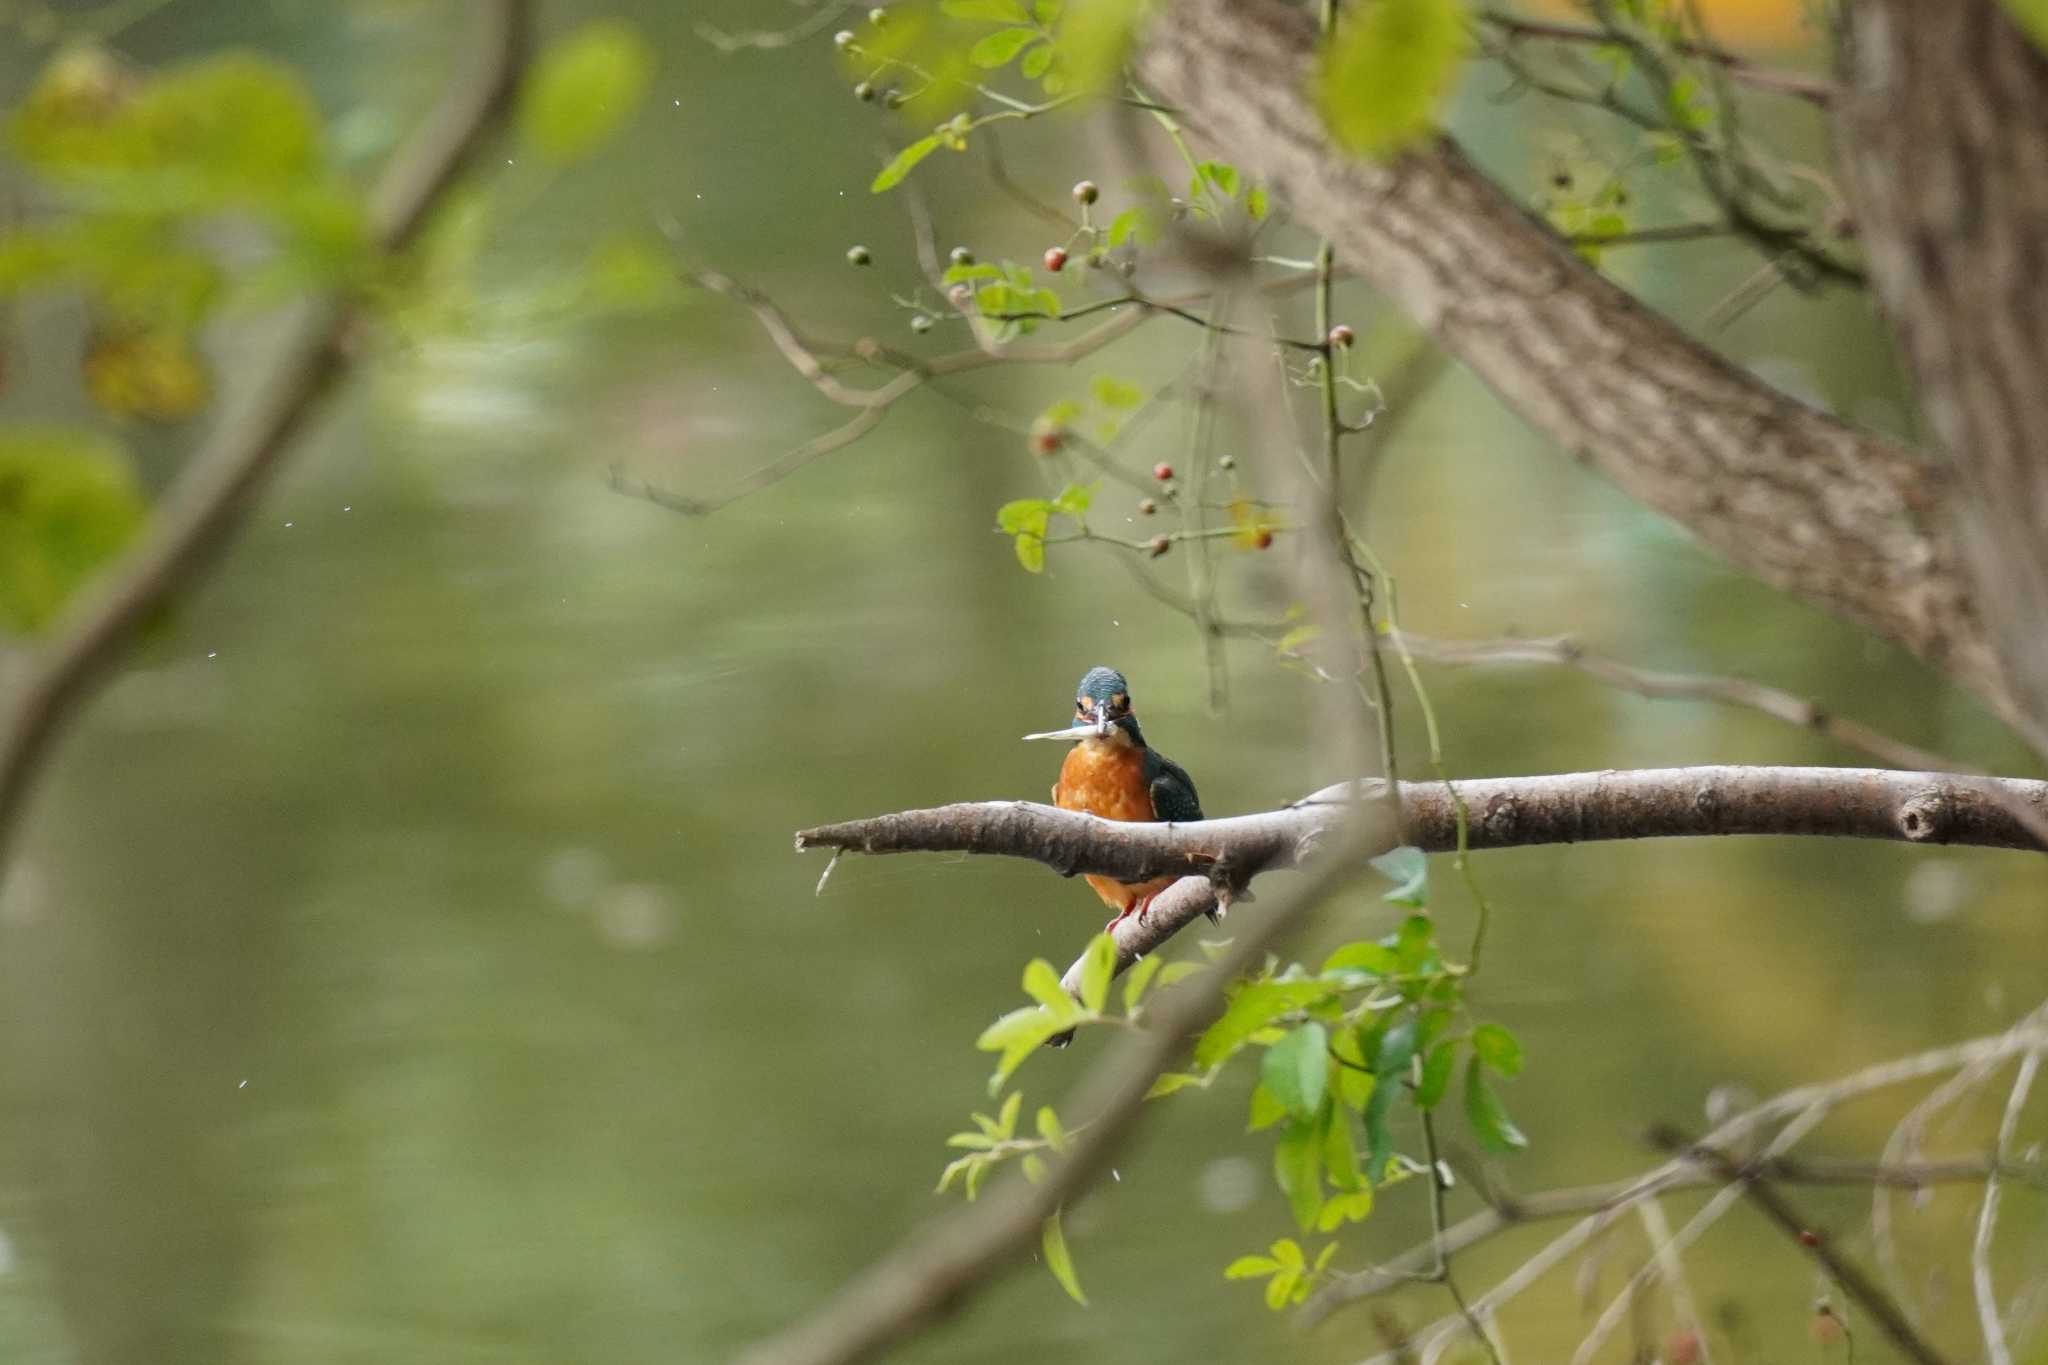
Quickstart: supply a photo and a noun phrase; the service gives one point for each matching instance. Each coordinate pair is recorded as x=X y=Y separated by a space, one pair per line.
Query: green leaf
x=1487 y=1115
x=992 y=11
x=584 y=88
x=1042 y=983
x=234 y=124
x=1267 y=1109
x=1251 y=1009
x=1000 y=48
x=1221 y=174
x=1034 y=1167
x=1396 y=1050
x=892 y=174
x=1074 y=500
x=1256 y=203
x=1340 y=1156
x=1049 y=1128
x=1354 y=1083
x=1374 y=959
x=1016 y=1036
x=1097 y=967
x=1047 y=11
x=1137 y=979
x=1025 y=516
x=1006 y=1117
x=1060 y=1261
x=1288 y=1253
x=1096 y=38
x=1498 y=1048
x=1297 y=1069
x=1280 y=1289
x=1437 y=1064
x=1170 y=1082
x=2032 y=16
x=980 y=270
x=69 y=503
x=1031 y=552
x=1173 y=973
x=1414 y=946
x=1297 y=1166
x=1036 y=62
x=1250 y=1268
x=1387 y=68
x=1115 y=393
x=1408 y=868
x=1340 y=1209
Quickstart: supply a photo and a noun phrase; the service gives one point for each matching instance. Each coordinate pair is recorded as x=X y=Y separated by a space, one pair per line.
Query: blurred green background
x=406 y=959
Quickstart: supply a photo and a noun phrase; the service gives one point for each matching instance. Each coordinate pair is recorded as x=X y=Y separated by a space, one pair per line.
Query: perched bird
x=1112 y=773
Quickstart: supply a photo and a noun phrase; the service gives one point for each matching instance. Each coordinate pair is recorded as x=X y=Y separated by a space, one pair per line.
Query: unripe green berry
x=1086 y=192
x=878 y=15
x=858 y=255
x=921 y=324
x=961 y=256
x=864 y=92
x=1227 y=463
x=844 y=38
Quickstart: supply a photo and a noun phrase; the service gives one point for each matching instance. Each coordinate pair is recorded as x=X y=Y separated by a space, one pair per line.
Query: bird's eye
x=1119 y=702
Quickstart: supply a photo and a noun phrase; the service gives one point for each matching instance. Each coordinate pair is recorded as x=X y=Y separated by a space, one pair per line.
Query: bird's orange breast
x=1105 y=778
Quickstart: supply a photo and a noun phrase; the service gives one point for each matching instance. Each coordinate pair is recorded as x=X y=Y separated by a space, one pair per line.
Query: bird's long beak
x=1094 y=730
x=1077 y=732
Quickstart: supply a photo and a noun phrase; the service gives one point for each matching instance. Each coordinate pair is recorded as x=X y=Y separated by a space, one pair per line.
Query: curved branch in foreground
x=211 y=497
x=1807 y=503
x=939 y=1266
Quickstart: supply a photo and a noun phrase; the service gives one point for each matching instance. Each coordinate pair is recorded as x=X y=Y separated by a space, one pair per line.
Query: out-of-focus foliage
x=68 y=502
x=1386 y=70
x=584 y=89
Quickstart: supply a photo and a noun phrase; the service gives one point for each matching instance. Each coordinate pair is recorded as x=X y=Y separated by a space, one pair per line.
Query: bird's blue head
x=1103 y=697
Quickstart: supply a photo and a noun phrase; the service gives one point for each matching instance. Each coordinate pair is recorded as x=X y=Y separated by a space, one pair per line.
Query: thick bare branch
x=211 y=497
x=1505 y=812
x=1809 y=504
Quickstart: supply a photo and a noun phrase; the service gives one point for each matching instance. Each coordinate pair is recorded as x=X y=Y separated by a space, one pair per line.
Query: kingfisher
x=1112 y=773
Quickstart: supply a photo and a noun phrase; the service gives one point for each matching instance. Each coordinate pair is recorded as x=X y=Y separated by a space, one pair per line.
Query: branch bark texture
x=1807 y=503
x=1944 y=136
x=1503 y=812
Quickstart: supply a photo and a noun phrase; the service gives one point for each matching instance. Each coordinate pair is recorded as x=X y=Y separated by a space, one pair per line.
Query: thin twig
x=1988 y=1316
x=1814 y=89
x=1858 y=1286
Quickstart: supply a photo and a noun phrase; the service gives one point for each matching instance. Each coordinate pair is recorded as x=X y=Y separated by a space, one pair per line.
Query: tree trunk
x=1943 y=132
x=1804 y=501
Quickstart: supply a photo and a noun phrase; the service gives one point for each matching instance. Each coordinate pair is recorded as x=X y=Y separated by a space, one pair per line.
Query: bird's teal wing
x=1173 y=791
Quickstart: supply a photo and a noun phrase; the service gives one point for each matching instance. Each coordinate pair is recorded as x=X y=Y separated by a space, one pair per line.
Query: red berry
x=1162 y=471
x=1056 y=259
x=1158 y=546
x=1342 y=336
x=1682 y=1347
x=1047 y=437
x=1263 y=538
x=1809 y=1238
